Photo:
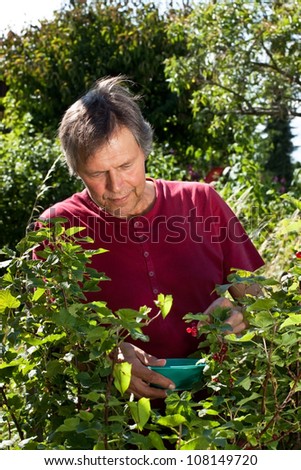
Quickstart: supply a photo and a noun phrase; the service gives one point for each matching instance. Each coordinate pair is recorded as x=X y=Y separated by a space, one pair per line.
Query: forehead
x=120 y=148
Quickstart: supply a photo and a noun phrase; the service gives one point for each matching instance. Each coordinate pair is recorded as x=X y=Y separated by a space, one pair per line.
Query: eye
x=125 y=166
x=98 y=174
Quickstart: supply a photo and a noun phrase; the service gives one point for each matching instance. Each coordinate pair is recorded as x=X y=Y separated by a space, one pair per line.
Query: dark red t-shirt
x=184 y=246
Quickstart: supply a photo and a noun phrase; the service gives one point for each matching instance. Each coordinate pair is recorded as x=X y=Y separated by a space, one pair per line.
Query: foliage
x=33 y=177
x=163 y=163
x=255 y=378
x=59 y=375
x=60 y=385
x=269 y=216
x=48 y=67
x=62 y=389
x=279 y=163
x=241 y=68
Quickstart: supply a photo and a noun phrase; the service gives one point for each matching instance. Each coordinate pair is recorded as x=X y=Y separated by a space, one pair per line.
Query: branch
x=276 y=67
x=14 y=418
x=291 y=78
x=250 y=110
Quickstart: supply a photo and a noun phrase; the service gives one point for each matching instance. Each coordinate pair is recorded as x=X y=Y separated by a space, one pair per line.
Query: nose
x=114 y=182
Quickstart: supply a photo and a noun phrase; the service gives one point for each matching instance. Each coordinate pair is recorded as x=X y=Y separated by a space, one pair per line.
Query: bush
x=62 y=389
x=33 y=177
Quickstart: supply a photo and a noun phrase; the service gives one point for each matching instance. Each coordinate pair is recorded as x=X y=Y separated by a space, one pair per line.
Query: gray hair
x=90 y=122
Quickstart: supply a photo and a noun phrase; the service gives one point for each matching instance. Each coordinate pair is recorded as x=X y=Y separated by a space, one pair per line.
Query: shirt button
x=138 y=224
x=155 y=291
x=151 y=273
x=146 y=254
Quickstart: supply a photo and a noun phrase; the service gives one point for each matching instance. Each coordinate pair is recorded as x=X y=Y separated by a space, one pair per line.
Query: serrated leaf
x=262 y=304
x=246 y=383
x=263 y=319
x=7 y=300
x=96 y=333
x=199 y=443
x=54 y=368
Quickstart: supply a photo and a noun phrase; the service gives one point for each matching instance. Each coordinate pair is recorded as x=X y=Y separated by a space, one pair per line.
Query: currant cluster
x=222 y=354
x=192 y=330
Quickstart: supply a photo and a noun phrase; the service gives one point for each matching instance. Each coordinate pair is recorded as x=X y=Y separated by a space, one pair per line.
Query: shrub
x=62 y=389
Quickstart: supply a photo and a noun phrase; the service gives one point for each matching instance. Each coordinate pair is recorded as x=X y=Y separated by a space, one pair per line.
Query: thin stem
x=14 y=418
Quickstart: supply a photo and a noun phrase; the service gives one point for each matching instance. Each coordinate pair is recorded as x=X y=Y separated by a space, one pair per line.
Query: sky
x=15 y=14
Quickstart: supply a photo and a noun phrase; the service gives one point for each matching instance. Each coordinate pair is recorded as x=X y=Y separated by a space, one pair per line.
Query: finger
x=222 y=302
x=237 y=322
x=141 y=389
x=151 y=377
x=149 y=360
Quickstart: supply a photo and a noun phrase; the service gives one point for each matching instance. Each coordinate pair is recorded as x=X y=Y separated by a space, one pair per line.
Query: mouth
x=118 y=200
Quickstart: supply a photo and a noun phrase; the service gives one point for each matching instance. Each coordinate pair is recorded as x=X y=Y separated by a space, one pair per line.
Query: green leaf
x=171 y=420
x=7 y=300
x=97 y=333
x=122 y=376
x=73 y=230
x=54 y=368
x=48 y=339
x=140 y=411
x=240 y=339
x=70 y=425
x=164 y=303
x=294 y=319
x=38 y=293
x=85 y=415
x=198 y=443
x=156 y=440
x=263 y=319
x=253 y=396
x=246 y=383
x=262 y=304
x=93 y=396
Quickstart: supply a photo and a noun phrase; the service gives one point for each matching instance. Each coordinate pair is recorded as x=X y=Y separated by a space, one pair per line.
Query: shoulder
x=195 y=192
x=183 y=187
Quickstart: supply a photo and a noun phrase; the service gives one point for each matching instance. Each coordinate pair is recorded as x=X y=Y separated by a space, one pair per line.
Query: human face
x=115 y=176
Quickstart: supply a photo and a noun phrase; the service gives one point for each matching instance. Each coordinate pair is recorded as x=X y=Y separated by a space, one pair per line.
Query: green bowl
x=183 y=372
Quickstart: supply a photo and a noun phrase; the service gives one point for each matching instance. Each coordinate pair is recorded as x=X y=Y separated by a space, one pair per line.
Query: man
x=177 y=238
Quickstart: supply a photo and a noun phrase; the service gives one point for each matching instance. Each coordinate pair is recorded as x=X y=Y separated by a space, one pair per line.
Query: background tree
x=279 y=164
x=212 y=76
x=48 y=67
x=235 y=72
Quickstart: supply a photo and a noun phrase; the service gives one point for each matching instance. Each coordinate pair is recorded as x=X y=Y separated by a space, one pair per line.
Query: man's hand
x=142 y=377
x=235 y=320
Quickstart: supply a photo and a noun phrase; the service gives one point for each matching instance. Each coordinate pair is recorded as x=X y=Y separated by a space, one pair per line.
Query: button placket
x=150 y=267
